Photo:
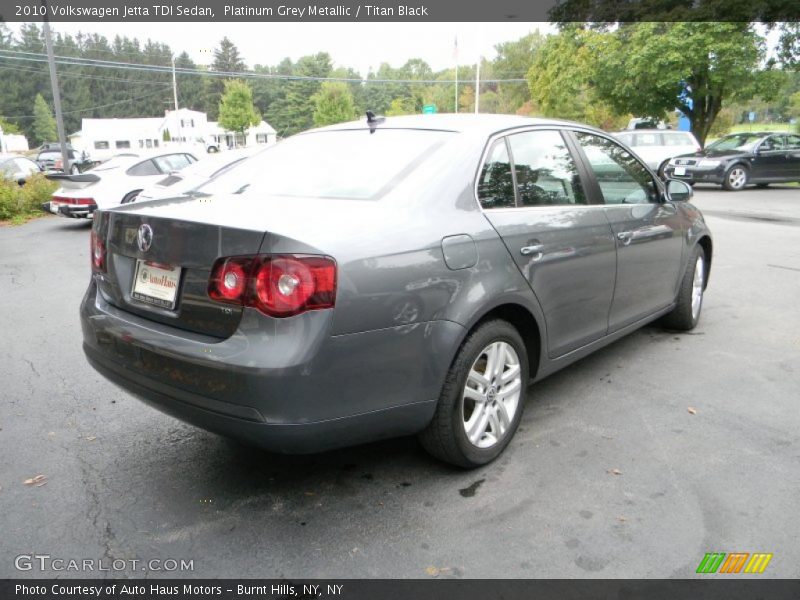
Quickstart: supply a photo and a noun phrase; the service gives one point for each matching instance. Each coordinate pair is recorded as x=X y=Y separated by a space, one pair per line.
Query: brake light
x=76 y=201
x=97 y=249
x=277 y=285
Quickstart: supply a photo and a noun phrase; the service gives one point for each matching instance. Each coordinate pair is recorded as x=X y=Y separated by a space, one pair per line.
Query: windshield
x=331 y=164
x=742 y=141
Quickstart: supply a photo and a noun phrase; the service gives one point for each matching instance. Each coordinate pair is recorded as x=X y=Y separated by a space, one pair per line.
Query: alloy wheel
x=491 y=394
x=697 y=287
x=737 y=178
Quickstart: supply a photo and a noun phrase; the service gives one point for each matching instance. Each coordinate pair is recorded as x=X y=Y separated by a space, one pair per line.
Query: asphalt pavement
x=634 y=462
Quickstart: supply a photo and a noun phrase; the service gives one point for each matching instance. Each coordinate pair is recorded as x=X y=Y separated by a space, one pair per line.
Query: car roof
x=461 y=123
x=651 y=130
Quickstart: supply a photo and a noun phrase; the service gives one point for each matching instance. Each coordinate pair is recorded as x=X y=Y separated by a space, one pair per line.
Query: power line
x=87 y=62
x=67 y=74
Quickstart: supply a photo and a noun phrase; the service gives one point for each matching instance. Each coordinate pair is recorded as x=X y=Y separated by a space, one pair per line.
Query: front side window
x=496 y=184
x=545 y=171
x=773 y=142
x=621 y=177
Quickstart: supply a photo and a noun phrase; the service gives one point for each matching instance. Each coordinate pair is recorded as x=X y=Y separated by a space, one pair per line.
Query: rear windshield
x=331 y=164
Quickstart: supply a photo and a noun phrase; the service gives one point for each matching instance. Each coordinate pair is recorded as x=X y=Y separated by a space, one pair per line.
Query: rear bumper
x=339 y=391
x=73 y=211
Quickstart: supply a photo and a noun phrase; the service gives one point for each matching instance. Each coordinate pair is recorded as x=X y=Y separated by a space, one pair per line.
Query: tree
x=514 y=60
x=44 y=125
x=226 y=60
x=695 y=67
x=333 y=104
x=236 y=110
x=295 y=110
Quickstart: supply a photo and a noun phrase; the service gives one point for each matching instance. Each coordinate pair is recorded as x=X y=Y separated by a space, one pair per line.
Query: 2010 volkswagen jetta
x=390 y=277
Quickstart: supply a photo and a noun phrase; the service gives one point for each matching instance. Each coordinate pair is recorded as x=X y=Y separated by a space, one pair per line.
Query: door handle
x=625 y=237
x=528 y=250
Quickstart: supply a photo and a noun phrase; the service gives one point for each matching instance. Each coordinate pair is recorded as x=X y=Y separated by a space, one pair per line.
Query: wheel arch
x=525 y=323
x=708 y=248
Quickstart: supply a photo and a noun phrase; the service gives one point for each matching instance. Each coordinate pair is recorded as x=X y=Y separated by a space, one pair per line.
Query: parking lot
x=634 y=462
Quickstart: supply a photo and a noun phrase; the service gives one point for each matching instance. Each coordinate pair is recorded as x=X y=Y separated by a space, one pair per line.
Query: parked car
x=657 y=146
x=390 y=277
x=115 y=181
x=196 y=174
x=17 y=168
x=646 y=123
x=739 y=159
x=51 y=160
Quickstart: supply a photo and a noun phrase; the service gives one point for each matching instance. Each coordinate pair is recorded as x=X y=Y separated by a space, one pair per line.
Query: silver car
x=388 y=277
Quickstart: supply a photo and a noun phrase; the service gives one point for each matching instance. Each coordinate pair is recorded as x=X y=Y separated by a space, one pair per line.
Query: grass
x=747 y=127
x=21 y=203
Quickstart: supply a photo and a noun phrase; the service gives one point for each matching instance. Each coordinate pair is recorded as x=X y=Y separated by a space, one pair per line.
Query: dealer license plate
x=156 y=283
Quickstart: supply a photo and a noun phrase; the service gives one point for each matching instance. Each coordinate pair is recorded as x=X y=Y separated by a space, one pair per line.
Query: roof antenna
x=373 y=121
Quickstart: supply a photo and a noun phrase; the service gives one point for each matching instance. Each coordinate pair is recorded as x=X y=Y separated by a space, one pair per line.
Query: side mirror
x=678 y=191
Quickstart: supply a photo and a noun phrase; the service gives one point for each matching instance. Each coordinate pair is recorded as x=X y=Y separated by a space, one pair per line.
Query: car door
x=792 y=158
x=770 y=160
x=648 y=232
x=534 y=196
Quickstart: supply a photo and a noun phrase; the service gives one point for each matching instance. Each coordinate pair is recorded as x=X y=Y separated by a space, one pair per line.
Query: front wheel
x=686 y=314
x=483 y=397
x=735 y=178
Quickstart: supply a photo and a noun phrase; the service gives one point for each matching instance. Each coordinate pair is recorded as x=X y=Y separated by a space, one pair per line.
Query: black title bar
x=399 y=11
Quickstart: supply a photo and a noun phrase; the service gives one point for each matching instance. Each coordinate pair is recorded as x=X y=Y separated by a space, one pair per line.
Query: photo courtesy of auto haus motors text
x=399 y=299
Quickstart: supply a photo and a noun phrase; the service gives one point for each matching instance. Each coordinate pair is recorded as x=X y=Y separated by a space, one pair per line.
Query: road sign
x=751 y=116
x=429 y=109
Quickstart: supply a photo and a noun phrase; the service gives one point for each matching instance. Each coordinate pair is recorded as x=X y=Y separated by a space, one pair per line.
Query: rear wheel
x=483 y=397
x=131 y=196
x=686 y=314
x=735 y=178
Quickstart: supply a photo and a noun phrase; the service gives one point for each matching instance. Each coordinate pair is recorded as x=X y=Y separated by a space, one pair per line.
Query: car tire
x=131 y=196
x=488 y=420
x=736 y=177
x=212 y=150
x=686 y=314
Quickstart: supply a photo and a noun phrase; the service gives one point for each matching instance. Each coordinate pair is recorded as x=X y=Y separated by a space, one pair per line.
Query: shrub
x=19 y=201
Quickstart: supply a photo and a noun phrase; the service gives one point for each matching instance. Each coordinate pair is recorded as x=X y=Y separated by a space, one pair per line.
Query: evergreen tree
x=44 y=125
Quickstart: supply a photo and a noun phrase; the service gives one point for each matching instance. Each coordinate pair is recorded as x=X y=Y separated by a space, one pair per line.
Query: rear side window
x=144 y=168
x=496 y=184
x=621 y=177
x=171 y=162
x=353 y=164
x=545 y=171
x=647 y=139
x=677 y=139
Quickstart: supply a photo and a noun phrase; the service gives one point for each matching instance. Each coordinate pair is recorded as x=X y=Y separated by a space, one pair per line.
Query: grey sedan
x=388 y=277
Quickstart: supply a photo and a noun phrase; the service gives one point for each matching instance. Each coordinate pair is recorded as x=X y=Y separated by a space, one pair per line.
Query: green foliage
x=166 y=137
x=9 y=127
x=399 y=107
x=333 y=104
x=44 y=124
x=293 y=110
x=20 y=202
x=236 y=110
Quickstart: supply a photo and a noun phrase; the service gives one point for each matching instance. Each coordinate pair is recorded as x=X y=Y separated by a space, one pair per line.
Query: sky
x=358 y=45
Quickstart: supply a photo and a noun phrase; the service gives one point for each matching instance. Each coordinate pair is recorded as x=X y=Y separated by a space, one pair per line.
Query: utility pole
x=51 y=61
x=455 y=53
x=478 y=85
x=175 y=97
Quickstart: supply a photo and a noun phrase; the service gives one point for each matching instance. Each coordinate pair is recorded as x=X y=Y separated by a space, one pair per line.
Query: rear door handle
x=528 y=250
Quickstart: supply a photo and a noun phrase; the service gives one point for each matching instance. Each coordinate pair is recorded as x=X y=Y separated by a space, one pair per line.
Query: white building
x=103 y=138
x=12 y=142
x=263 y=133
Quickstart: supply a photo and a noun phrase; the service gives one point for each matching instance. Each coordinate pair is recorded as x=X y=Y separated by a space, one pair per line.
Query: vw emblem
x=145 y=237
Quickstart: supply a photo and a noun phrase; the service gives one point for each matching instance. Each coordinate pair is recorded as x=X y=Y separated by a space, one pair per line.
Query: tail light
x=277 y=285
x=97 y=249
x=75 y=201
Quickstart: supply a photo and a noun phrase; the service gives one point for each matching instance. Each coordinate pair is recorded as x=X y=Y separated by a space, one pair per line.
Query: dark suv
x=50 y=159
